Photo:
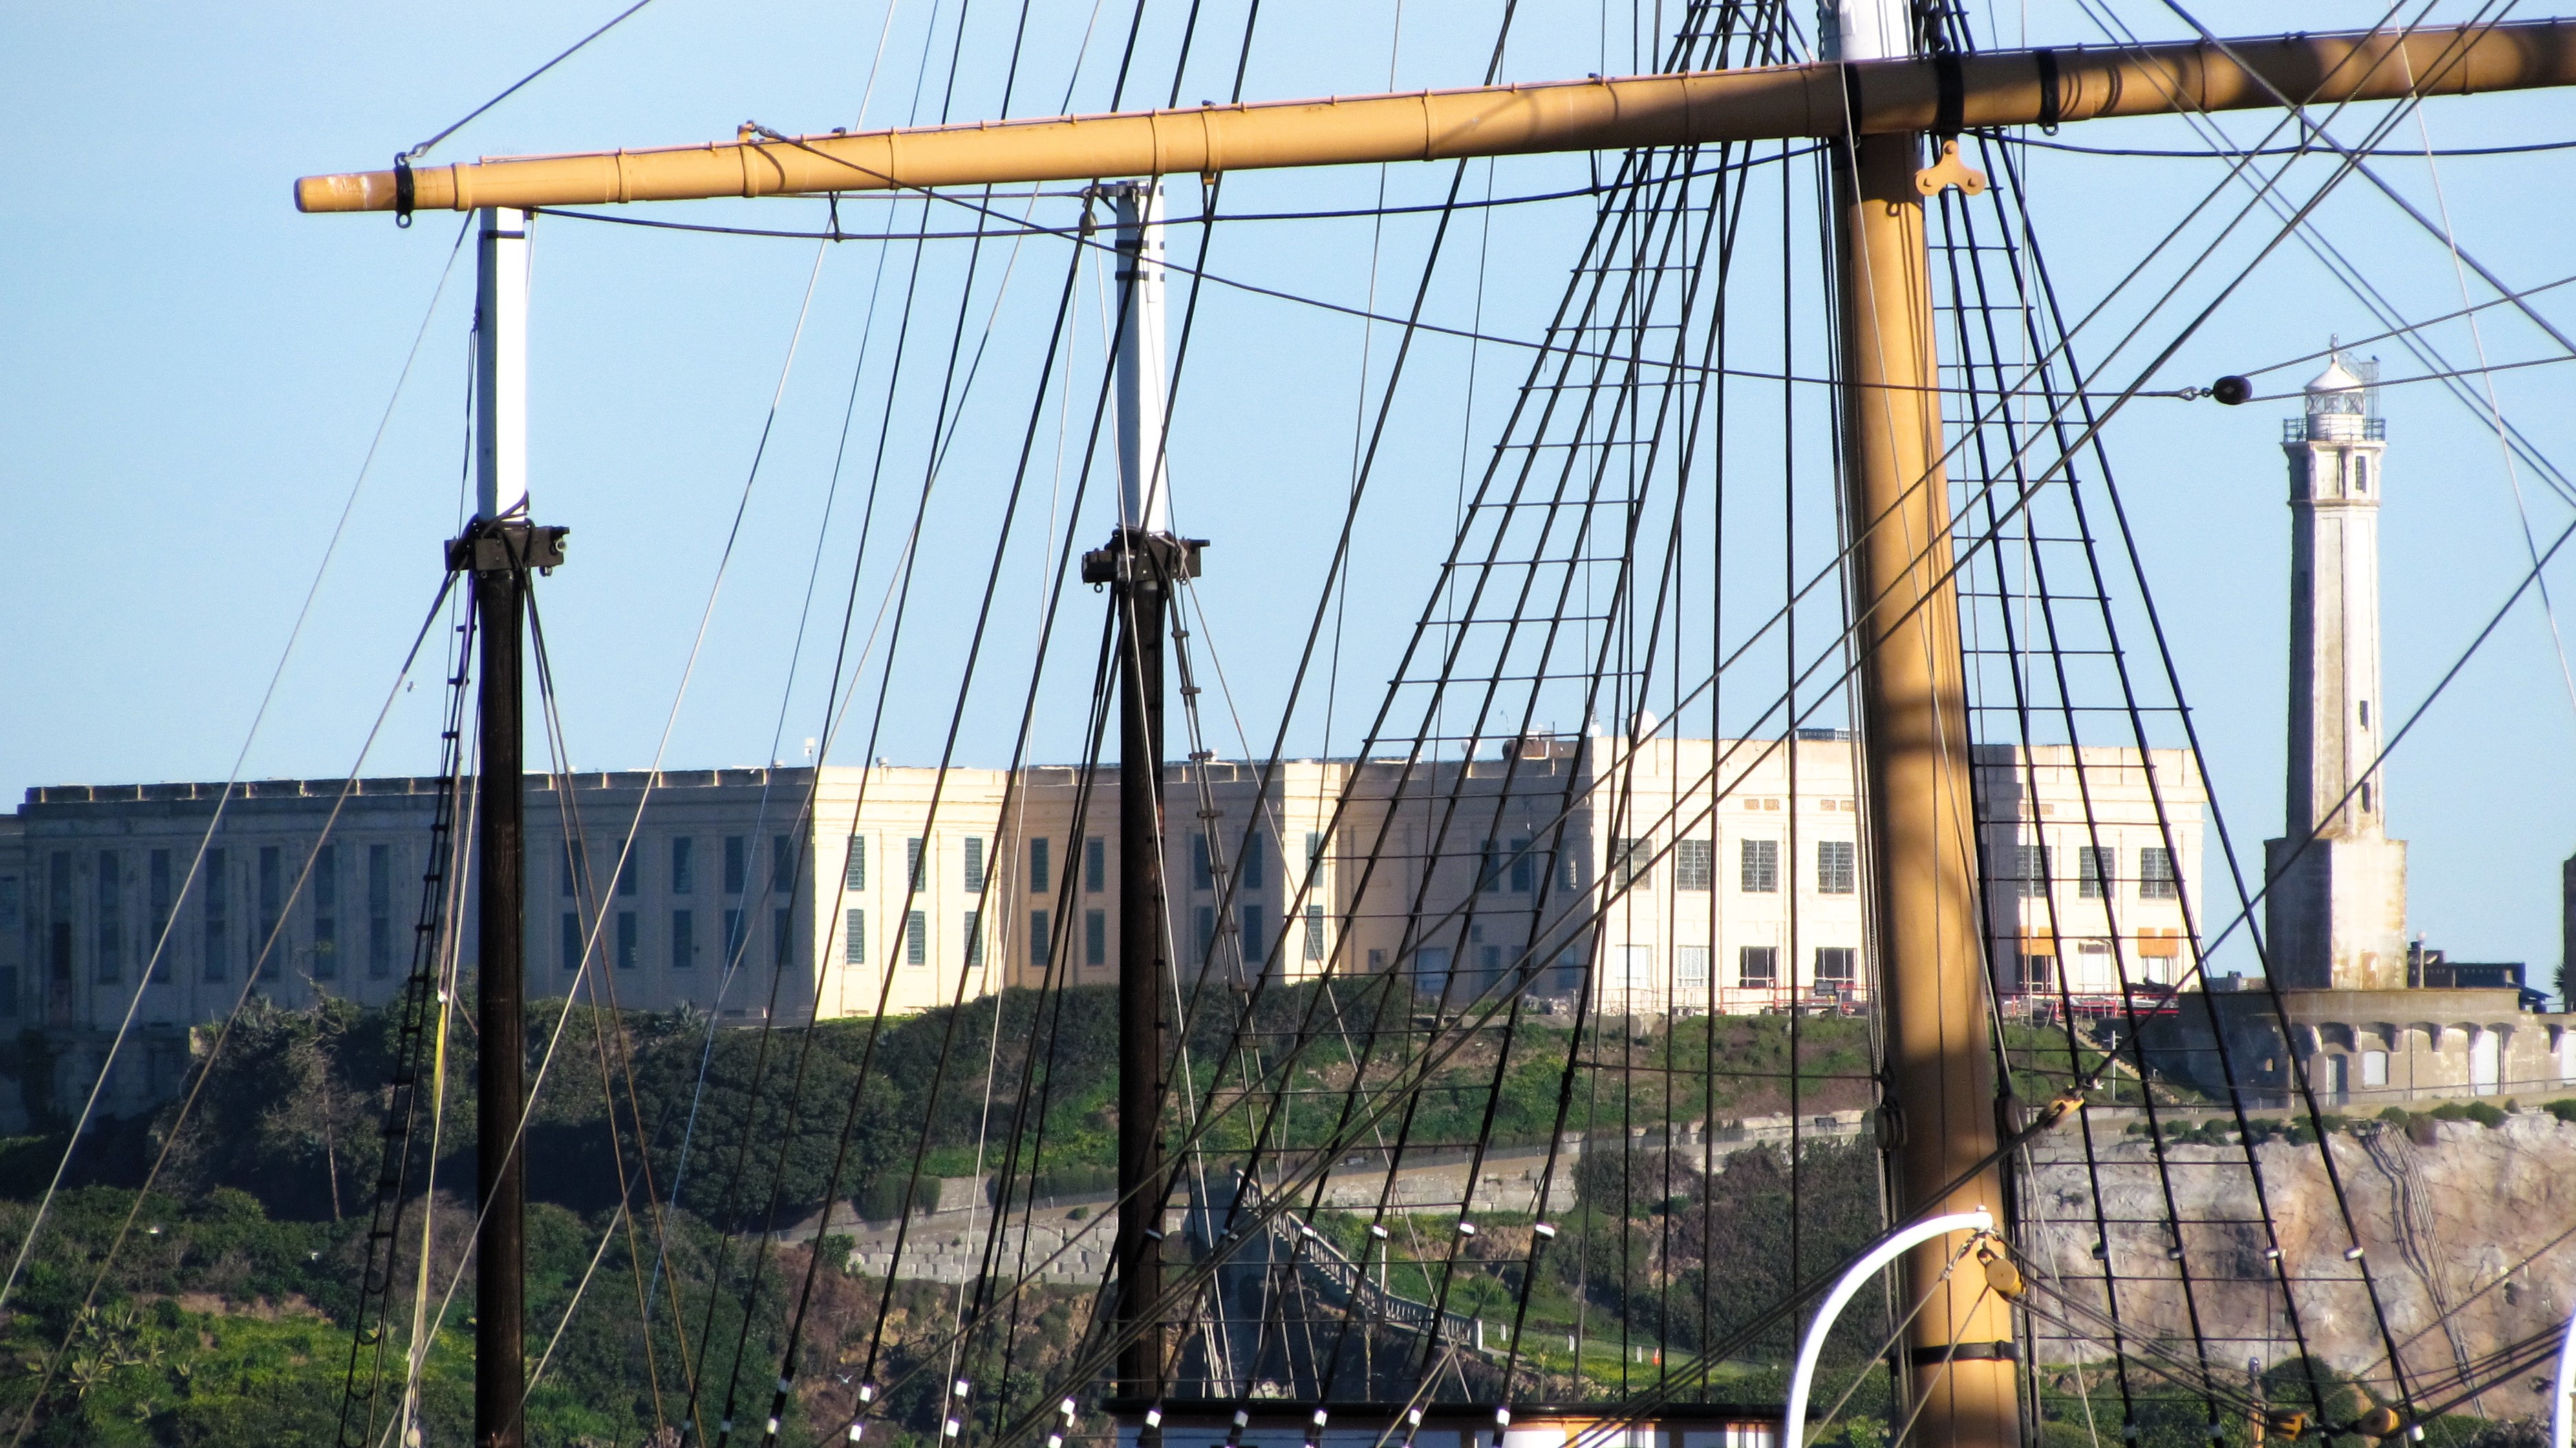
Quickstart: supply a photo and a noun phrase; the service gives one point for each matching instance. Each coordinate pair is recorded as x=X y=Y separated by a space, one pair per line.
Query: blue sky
x=194 y=374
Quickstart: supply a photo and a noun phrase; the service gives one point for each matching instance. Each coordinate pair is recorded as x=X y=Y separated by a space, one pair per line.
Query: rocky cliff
x=2466 y=1236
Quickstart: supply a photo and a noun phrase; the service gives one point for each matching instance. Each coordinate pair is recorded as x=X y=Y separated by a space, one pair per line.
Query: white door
x=2485 y=1057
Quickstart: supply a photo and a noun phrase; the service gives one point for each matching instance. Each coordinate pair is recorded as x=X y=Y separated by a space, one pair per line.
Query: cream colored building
x=1714 y=876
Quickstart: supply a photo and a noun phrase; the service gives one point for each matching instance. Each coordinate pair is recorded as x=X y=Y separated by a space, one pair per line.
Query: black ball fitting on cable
x=2231 y=391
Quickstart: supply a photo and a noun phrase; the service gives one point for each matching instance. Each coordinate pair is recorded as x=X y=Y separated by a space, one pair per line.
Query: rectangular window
x=326 y=912
x=1569 y=872
x=737 y=864
x=1206 y=934
x=2029 y=872
x=916 y=938
x=627 y=883
x=568 y=884
x=684 y=866
x=2092 y=868
x=1757 y=967
x=782 y=937
x=1489 y=867
x=736 y=933
x=1255 y=865
x=782 y=867
x=1690 y=968
x=9 y=989
x=58 y=925
x=1524 y=868
x=568 y=940
x=1038 y=867
x=630 y=940
x=380 y=911
x=270 y=944
x=1837 y=867
x=2156 y=874
x=1095 y=937
x=164 y=902
x=2374 y=1068
x=1041 y=944
x=1095 y=865
x=1314 y=851
x=1758 y=869
x=1255 y=949
x=1837 y=965
x=974 y=865
x=854 y=871
x=912 y=862
x=1632 y=860
x=1202 y=868
x=974 y=938
x=854 y=937
x=684 y=940
x=111 y=920
x=1314 y=932
x=1694 y=864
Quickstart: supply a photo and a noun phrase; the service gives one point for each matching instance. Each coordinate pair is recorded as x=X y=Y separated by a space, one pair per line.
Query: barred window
x=1524 y=868
x=1690 y=968
x=1694 y=864
x=1041 y=944
x=684 y=939
x=1095 y=936
x=2029 y=872
x=1837 y=867
x=1758 y=868
x=1633 y=859
x=1757 y=967
x=974 y=864
x=854 y=938
x=1038 y=866
x=1837 y=964
x=2093 y=867
x=2156 y=874
x=1314 y=932
x=916 y=937
x=856 y=875
x=975 y=936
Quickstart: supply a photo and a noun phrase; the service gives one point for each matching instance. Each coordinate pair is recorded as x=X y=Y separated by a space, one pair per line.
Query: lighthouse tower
x=2337 y=904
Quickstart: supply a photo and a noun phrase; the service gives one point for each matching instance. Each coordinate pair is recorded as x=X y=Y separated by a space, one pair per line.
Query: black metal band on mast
x=499 y=555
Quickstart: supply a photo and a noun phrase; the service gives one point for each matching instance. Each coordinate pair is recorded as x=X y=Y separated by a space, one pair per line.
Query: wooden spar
x=1922 y=834
x=1888 y=97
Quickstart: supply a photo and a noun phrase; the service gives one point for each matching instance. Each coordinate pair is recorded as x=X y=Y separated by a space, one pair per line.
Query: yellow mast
x=1884 y=97
x=1913 y=700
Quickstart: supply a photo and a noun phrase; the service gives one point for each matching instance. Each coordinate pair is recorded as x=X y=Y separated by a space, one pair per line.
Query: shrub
x=2564 y=1110
x=2483 y=1114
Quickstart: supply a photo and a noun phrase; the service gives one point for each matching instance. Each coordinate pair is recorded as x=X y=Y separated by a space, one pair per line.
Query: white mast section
x=1144 y=481
x=1867 y=30
x=501 y=365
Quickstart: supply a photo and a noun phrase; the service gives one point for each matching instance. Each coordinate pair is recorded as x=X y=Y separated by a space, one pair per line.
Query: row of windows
x=622 y=939
x=971 y=862
x=684 y=858
x=263 y=877
x=1757 y=865
x=1757 y=967
x=2028 y=870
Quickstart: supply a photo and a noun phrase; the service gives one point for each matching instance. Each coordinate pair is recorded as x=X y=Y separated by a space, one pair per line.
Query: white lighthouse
x=2337 y=903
